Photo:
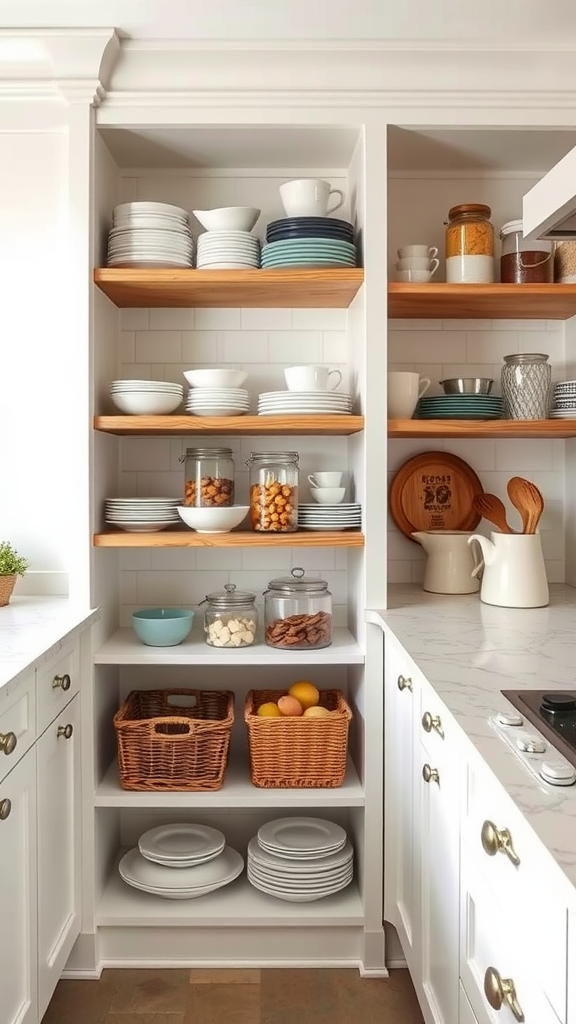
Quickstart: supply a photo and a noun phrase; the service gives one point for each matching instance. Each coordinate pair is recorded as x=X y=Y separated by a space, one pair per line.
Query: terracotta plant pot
x=6 y=587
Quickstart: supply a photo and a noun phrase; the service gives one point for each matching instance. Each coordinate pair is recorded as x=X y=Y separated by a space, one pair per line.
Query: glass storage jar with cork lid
x=523 y=260
x=469 y=245
x=208 y=477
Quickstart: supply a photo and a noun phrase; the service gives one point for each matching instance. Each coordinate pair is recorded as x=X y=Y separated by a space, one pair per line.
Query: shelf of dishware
x=317 y=288
x=558 y=428
x=235 y=905
x=481 y=301
x=234 y=539
x=289 y=425
x=237 y=791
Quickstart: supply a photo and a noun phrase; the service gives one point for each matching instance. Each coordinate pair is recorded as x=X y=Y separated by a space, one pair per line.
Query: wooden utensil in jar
x=490 y=507
x=528 y=500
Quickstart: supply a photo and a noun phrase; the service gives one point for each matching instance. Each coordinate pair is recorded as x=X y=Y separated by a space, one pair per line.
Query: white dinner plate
x=301 y=885
x=218 y=871
x=187 y=841
x=294 y=897
x=295 y=863
x=301 y=834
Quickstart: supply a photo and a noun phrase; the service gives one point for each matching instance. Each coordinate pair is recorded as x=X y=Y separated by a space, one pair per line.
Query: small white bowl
x=147 y=404
x=213 y=520
x=328 y=495
x=218 y=378
x=228 y=218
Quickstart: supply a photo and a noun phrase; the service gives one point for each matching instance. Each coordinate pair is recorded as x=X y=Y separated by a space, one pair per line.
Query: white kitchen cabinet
x=466 y=1014
x=549 y=208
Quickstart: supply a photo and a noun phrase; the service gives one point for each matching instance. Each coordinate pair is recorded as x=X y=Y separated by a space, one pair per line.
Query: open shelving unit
x=481 y=301
x=560 y=428
x=234 y=539
x=286 y=425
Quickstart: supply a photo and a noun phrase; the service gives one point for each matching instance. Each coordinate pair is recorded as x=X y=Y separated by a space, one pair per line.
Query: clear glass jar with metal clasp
x=208 y=477
x=298 y=612
x=231 y=618
x=274 y=491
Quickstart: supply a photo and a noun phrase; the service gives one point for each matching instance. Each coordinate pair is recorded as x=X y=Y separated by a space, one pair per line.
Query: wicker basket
x=299 y=753
x=7 y=584
x=165 y=747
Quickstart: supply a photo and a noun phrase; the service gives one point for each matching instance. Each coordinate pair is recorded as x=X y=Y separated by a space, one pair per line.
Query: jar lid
x=208 y=453
x=273 y=457
x=296 y=583
x=526 y=357
x=229 y=596
x=512 y=227
x=479 y=208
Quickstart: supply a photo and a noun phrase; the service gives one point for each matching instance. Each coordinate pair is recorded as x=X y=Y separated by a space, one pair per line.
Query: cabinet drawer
x=17 y=723
x=56 y=684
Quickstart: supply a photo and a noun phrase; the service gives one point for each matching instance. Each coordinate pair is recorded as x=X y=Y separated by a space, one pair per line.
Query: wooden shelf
x=236 y=539
x=482 y=428
x=146 y=426
x=322 y=289
x=481 y=301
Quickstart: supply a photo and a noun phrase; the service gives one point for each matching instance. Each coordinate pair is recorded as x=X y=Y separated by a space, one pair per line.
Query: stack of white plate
x=146 y=397
x=142 y=515
x=564 y=400
x=150 y=235
x=300 y=859
x=344 y=516
x=181 y=862
x=273 y=403
x=227 y=250
x=217 y=402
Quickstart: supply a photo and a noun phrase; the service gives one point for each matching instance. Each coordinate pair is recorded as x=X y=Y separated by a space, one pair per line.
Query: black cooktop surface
x=553 y=712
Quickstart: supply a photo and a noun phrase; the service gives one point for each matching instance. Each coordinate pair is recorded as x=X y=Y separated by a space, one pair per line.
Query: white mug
x=418 y=263
x=325 y=479
x=310 y=378
x=404 y=390
x=415 y=276
x=424 y=251
x=309 y=197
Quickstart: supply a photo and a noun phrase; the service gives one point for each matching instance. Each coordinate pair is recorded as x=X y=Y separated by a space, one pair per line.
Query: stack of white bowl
x=227 y=243
x=150 y=235
x=181 y=862
x=217 y=392
x=146 y=397
x=300 y=859
x=141 y=515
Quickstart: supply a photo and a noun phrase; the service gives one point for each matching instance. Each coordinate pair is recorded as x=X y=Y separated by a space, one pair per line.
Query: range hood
x=549 y=208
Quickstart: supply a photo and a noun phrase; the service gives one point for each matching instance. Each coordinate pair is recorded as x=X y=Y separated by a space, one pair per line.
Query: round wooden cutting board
x=434 y=491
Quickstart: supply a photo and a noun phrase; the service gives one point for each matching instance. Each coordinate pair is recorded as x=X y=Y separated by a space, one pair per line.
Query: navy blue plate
x=296 y=222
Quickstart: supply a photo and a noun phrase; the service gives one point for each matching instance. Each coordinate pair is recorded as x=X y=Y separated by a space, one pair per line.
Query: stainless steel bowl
x=467 y=385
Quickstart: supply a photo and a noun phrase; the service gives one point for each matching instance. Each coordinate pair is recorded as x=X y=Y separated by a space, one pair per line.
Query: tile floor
x=235 y=997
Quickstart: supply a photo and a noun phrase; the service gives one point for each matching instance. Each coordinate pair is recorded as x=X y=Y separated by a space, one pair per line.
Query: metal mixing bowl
x=467 y=385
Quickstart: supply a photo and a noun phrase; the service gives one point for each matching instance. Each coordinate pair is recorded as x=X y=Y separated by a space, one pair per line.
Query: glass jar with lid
x=231 y=618
x=526 y=381
x=274 y=491
x=298 y=612
x=208 y=477
x=469 y=244
x=524 y=261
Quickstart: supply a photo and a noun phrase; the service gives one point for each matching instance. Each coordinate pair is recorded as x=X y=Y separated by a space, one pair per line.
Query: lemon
x=306 y=693
x=269 y=710
x=317 y=712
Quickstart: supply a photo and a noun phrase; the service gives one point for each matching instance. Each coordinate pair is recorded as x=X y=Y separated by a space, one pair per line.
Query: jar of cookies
x=298 y=612
x=230 y=619
x=469 y=245
x=274 y=491
x=208 y=477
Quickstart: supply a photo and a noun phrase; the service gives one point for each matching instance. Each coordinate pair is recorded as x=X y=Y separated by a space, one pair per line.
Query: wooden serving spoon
x=528 y=499
x=490 y=507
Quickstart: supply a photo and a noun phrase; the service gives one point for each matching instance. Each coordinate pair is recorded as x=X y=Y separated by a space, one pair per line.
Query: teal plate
x=453 y=415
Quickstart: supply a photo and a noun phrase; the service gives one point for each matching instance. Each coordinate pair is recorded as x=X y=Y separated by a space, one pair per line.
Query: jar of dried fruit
x=208 y=477
x=298 y=612
x=231 y=619
x=469 y=245
x=274 y=491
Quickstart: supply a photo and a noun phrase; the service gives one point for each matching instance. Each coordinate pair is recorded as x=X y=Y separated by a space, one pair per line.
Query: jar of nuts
x=231 y=619
x=208 y=477
x=298 y=612
x=274 y=491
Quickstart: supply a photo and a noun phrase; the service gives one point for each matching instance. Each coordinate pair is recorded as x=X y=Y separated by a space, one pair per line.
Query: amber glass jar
x=469 y=245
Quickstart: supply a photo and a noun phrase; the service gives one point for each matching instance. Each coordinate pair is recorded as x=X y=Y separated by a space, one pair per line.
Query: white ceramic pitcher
x=514 y=571
x=450 y=561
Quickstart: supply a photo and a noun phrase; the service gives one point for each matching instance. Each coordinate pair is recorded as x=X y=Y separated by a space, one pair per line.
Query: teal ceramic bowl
x=162 y=627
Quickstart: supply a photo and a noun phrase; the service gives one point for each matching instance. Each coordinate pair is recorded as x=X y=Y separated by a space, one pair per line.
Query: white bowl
x=147 y=404
x=213 y=520
x=328 y=495
x=219 y=378
x=228 y=218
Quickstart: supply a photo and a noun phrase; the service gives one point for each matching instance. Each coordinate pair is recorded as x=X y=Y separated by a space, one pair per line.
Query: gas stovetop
x=549 y=753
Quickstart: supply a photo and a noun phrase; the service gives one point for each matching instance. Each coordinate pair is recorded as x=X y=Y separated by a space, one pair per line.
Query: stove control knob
x=558 y=772
x=531 y=744
x=510 y=718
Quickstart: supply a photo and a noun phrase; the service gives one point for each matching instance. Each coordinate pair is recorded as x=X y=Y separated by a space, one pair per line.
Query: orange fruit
x=289 y=706
x=317 y=712
x=269 y=710
x=306 y=693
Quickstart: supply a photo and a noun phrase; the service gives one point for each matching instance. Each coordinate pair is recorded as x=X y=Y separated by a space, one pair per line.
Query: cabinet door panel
x=465 y=1011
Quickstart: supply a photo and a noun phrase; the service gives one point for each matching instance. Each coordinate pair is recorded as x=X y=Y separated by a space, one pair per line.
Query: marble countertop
x=33 y=629
x=469 y=651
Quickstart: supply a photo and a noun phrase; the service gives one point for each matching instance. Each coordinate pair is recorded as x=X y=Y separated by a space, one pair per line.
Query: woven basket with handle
x=6 y=587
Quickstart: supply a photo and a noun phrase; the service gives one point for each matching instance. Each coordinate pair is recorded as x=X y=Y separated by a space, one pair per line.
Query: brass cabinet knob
x=430 y=722
x=496 y=840
x=65 y=731
x=8 y=741
x=430 y=774
x=63 y=681
x=5 y=808
x=500 y=990
x=404 y=683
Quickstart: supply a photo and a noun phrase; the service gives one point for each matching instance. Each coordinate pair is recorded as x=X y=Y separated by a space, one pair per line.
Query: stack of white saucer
x=300 y=859
x=227 y=250
x=218 y=402
x=150 y=235
x=181 y=862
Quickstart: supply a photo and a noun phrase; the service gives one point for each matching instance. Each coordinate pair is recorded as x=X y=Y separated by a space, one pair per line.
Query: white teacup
x=418 y=263
x=416 y=276
x=423 y=251
x=325 y=479
x=404 y=390
x=309 y=197
x=310 y=378
x=328 y=495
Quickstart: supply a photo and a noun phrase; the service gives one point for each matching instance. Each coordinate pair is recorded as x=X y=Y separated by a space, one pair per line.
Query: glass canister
x=208 y=477
x=231 y=618
x=565 y=262
x=526 y=386
x=274 y=491
x=298 y=612
x=524 y=261
x=469 y=244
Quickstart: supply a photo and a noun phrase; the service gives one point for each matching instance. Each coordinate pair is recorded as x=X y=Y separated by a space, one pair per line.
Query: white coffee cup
x=310 y=378
x=404 y=390
x=309 y=197
x=423 y=251
x=415 y=276
x=325 y=479
x=328 y=495
x=418 y=263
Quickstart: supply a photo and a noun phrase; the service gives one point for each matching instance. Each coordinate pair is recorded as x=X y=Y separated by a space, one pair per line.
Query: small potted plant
x=11 y=565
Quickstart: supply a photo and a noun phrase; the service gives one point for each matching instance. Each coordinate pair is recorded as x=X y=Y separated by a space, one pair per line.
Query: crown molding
x=76 y=65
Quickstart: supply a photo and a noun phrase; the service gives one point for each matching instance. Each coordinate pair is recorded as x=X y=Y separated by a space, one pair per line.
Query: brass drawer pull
x=404 y=683
x=496 y=840
x=500 y=990
x=65 y=731
x=430 y=774
x=63 y=681
x=5 y=808
x=430 y=722
x=8 y=741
